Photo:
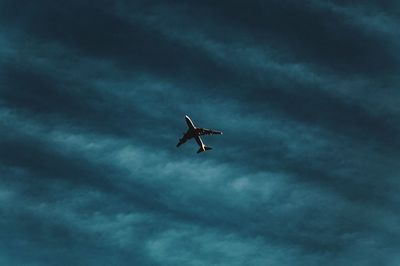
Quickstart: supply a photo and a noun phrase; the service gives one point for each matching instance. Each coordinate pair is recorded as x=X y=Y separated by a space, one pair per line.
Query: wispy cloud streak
x=92 y=99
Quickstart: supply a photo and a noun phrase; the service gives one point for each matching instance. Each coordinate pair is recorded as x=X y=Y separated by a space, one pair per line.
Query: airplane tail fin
x=204 y=148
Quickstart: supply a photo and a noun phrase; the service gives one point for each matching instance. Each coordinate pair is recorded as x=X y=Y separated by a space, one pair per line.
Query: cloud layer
x=92 y=101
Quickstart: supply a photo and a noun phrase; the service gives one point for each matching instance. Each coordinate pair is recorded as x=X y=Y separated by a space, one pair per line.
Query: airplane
x=196 y=132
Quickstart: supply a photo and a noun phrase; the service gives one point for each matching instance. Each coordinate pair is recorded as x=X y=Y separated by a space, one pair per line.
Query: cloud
x=92 y=105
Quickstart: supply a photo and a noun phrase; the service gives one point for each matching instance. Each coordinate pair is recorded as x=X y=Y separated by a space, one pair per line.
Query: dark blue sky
x=92 y=102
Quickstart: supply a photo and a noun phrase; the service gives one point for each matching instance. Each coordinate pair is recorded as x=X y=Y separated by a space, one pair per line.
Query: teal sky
x=93 y=96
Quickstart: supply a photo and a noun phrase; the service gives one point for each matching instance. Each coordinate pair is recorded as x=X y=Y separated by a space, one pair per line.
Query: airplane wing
x=205 y=131
x=181 y=141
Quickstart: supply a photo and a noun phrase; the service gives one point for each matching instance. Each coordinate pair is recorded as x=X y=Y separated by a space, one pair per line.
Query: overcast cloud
x=92 y=102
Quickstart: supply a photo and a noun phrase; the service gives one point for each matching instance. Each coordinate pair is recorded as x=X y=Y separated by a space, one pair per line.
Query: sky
x=93 y=96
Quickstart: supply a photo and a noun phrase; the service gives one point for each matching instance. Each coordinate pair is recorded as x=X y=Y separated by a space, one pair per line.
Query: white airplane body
x=196 y=132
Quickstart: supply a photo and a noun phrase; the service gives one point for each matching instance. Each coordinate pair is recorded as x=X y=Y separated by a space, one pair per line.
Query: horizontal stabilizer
x=204 y=148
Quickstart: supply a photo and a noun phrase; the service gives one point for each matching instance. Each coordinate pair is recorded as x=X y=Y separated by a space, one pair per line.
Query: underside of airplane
x=196 y=132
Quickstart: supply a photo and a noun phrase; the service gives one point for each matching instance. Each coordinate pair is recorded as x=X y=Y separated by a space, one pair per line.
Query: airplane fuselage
x=193 y=132
x=196 y=132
